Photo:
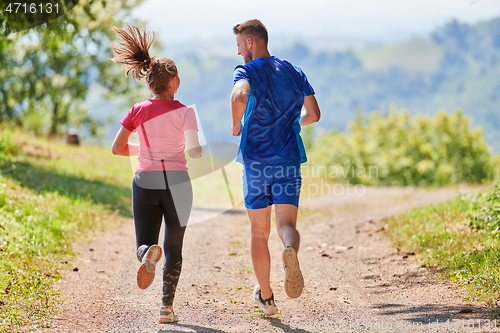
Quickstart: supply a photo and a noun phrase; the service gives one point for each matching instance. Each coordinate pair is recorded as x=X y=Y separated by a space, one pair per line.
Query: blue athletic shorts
x=267 y=184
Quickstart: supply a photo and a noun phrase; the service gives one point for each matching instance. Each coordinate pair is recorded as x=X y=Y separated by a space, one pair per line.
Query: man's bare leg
x=286 y=222
x=260 y=220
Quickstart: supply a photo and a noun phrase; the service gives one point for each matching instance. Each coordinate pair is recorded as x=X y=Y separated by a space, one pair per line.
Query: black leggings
x=157 y=195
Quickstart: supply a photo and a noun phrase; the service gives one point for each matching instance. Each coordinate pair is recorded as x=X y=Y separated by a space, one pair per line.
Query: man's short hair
x=254 y=28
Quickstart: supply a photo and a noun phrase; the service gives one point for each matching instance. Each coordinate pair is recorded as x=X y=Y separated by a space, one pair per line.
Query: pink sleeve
x=189 y=120
x=128 y=122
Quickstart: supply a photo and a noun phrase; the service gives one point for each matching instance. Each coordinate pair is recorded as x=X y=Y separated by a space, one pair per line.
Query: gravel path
x=355 y=280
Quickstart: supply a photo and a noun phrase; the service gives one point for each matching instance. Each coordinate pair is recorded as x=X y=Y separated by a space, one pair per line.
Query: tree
x=47 y=71
x=19 y=15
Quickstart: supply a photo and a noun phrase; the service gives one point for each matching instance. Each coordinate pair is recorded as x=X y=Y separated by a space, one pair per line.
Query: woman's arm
x=192 y=143
x=121 y=146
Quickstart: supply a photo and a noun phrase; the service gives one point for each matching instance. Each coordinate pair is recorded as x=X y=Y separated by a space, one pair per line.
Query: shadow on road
x=276 y=322
x=469 y=316
x=195 y=328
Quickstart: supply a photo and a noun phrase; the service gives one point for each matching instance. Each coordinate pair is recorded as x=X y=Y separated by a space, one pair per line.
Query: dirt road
x=355 y=280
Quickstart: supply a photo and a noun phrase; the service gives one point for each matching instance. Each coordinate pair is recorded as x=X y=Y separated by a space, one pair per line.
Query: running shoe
x=294 y=282
x=146 y=272
x=267 y=305
x=167 y=315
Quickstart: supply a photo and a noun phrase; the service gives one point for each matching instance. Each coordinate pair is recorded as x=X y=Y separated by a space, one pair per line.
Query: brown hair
x=253 y=28
x=133 y=53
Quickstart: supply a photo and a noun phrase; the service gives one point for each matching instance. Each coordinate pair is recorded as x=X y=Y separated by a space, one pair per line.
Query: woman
x=161 y=188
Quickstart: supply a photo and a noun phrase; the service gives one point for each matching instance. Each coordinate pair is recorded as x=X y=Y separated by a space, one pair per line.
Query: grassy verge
x=461 y=239
x=50 y=195
x=36 y=234
x=90 y=173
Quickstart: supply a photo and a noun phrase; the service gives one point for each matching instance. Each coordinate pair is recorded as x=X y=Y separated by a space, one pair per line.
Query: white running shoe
x=294 y=282
x=267 y=305
x=146 y=272
x=167 y=315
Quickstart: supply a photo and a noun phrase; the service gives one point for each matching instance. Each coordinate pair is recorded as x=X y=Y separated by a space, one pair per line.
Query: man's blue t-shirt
x=270 y=132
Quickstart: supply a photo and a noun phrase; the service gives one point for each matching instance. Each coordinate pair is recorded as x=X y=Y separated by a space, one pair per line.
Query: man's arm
x=313 y=113
x=238 y=103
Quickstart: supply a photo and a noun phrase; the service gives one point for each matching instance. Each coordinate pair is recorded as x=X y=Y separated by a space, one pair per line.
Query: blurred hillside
x=458 y=66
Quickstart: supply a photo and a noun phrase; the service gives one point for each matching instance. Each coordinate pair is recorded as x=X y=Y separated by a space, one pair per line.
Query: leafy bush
x=487 y=212
x=393 y=148
x=7 y=145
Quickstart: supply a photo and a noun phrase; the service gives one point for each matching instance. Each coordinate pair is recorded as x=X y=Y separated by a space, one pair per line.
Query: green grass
x=80 y=173
x=36 y=234
x=50 y=196
x=459 y=239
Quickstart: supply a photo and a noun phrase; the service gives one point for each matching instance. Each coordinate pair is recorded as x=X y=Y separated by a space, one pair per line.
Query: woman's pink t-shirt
x=160 y=125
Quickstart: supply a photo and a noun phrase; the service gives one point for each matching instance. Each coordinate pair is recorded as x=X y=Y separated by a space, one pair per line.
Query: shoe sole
x=294 y=281
x=144 y=275
x=167 y=320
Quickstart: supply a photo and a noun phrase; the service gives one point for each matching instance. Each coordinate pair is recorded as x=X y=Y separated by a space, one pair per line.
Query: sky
x=375 y=20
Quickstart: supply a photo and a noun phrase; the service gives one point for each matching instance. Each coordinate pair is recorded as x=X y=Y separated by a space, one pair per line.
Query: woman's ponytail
x=133 y=51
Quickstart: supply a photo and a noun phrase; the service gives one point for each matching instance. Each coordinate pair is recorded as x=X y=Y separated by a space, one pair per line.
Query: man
x=266 y=103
